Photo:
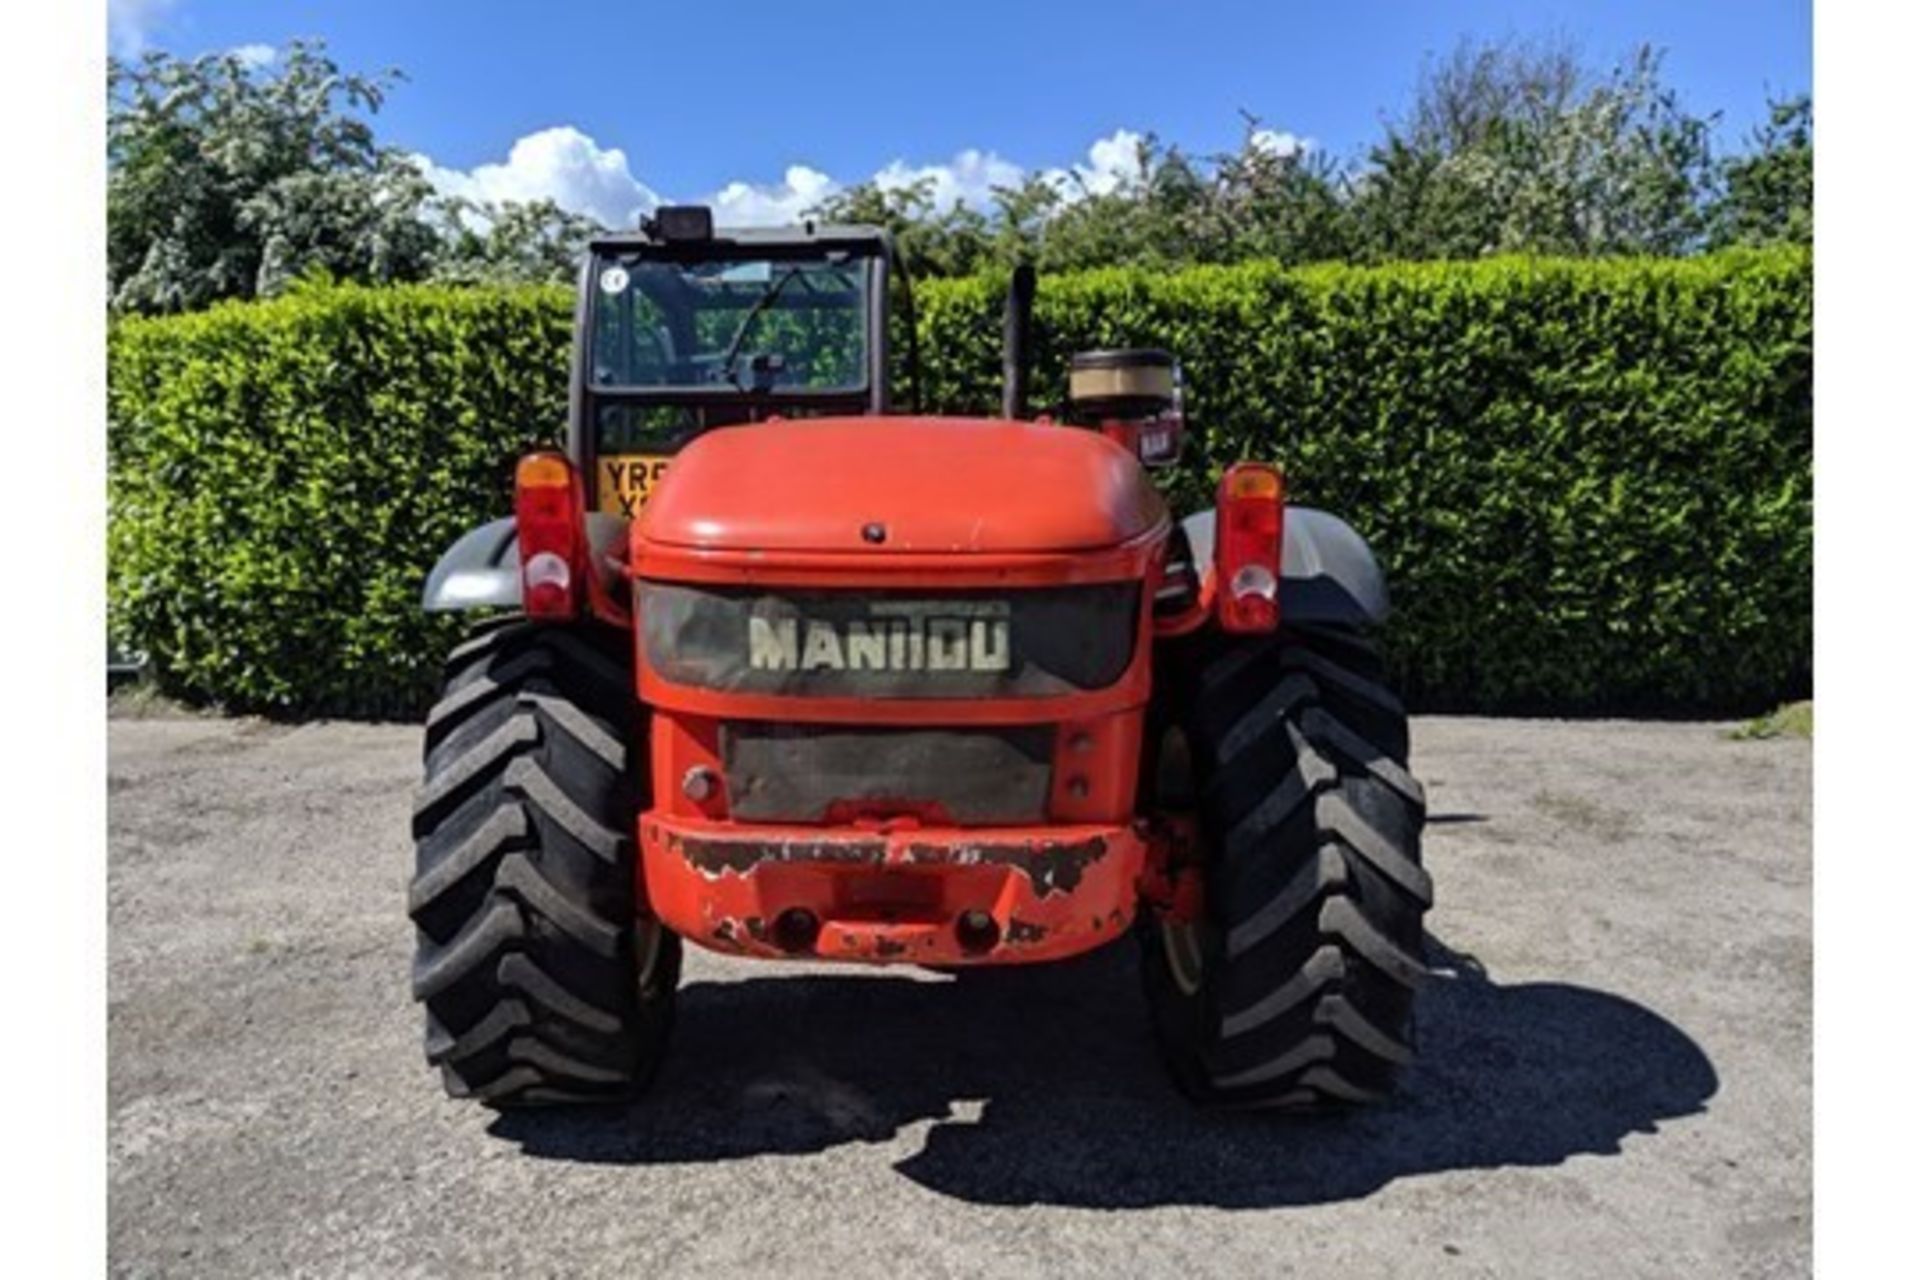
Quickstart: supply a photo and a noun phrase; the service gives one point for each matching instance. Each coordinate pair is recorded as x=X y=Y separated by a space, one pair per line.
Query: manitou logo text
x=912 y=642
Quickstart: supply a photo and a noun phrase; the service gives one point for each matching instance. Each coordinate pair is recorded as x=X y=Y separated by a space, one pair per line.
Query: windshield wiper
x=731 y=359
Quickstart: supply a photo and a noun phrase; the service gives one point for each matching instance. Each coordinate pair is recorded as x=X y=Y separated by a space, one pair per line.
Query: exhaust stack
x=1015 y=334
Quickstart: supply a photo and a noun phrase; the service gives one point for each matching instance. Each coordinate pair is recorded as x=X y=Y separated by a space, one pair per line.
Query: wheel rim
x=1180 y=943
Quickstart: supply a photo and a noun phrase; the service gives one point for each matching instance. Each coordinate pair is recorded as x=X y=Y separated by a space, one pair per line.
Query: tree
x=231 y=179
x=955 y=241
x=1507 y=148
x=1768 y=192
x=1514 y=148
x=1287 y=202
x=1150 y=215
x=228 y=179
x=531 y=242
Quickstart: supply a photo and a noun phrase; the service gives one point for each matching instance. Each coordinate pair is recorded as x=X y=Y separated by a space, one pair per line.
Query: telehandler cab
x=766 y=664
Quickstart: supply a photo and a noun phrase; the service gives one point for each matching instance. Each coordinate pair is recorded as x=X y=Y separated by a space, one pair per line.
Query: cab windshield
x=754 y=325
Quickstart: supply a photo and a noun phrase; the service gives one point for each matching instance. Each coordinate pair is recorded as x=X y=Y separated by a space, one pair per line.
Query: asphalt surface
x=1615 y=1074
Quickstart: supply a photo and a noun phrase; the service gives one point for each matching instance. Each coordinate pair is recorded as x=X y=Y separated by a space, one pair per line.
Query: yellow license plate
x=627 y=480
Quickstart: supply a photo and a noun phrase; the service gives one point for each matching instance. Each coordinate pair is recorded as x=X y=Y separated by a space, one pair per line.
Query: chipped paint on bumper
x=893 y=896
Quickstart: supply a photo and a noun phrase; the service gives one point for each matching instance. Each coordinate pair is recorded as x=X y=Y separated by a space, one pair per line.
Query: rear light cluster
x=548 y=521
x=1247 y=547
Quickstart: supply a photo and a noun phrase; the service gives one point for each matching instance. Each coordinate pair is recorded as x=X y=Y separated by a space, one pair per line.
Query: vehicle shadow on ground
x=1043 y=1087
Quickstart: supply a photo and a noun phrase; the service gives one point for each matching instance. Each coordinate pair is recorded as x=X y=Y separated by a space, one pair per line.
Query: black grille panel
x=799 y=772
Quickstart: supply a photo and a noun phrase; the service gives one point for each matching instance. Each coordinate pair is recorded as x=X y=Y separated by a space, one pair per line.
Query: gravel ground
x=1615 y=1071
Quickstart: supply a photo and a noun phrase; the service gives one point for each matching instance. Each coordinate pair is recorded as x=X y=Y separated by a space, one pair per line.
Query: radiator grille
x=801 y=773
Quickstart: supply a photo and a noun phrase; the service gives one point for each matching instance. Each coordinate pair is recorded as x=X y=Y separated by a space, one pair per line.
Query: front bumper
x=946 y=896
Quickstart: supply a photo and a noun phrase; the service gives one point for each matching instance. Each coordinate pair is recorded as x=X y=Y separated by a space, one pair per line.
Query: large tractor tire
x=541 y=982
x=1295 y=988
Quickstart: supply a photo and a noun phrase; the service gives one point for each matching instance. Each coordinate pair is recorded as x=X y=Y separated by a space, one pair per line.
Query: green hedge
x=1590 y=482
x=283 y=474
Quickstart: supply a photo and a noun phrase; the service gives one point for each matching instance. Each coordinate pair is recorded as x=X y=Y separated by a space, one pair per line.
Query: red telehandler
x=763 y=663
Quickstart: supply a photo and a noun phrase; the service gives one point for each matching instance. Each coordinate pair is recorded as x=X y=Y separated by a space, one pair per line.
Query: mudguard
x=1327 y=572
x=482 y=569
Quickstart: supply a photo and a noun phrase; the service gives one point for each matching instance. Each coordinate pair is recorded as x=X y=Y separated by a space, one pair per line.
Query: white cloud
x=969 y=178
x=1110 y=161
x=745 y=204
x=574 y=171
x=254 y=56
x=560 y=164
x=1279 y=143
x=131 y=22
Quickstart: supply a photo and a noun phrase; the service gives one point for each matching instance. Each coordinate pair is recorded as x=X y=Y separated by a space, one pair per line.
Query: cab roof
x=825 y=235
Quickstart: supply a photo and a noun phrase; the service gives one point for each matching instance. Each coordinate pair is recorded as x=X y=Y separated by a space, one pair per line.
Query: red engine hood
x=930 y=485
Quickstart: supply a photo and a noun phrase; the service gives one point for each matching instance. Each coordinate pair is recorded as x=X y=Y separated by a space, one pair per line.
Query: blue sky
x=762 y=107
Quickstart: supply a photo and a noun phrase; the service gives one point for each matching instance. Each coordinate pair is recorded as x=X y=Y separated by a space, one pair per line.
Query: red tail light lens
x=547 y=506
x=1246 y=552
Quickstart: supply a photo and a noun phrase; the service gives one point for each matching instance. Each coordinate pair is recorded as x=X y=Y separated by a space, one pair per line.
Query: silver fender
x=482 y=569
x=1327 y=571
